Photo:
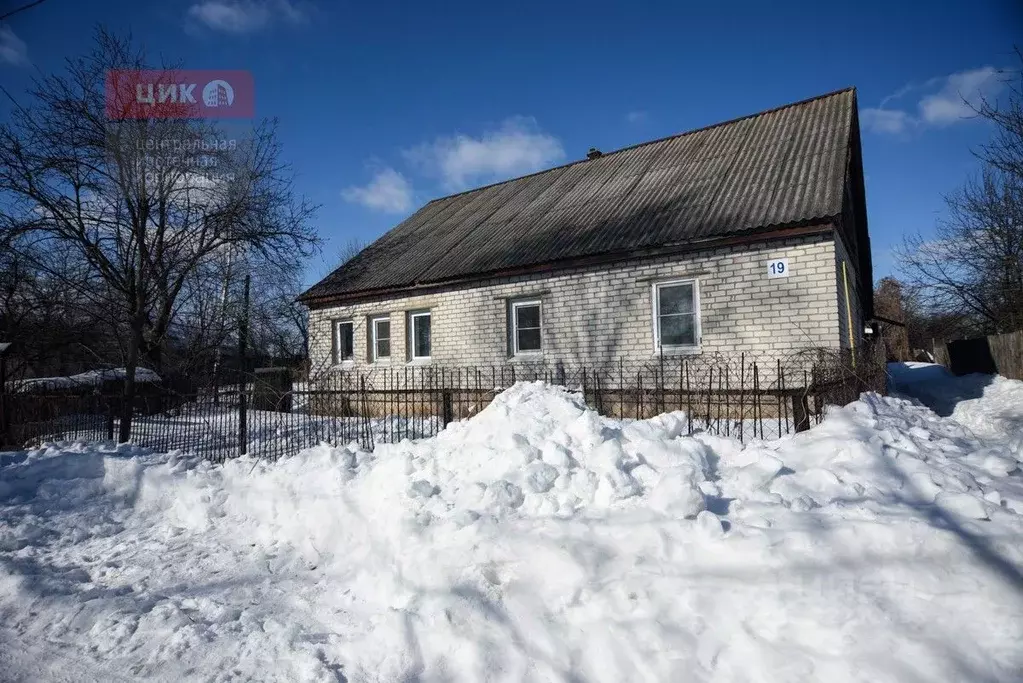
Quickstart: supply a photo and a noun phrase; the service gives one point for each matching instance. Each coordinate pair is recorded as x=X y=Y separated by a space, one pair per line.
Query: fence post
x=243 y=334
x=800 y=410
x=757 y=410
x=639 y=394
x=661 y=382
x=621 y=388
x=5 y=417
x=689 y=397
x=243 y=422
x=5 y=435
x=110 y=418
x=779 y=381
x=447 y=409
x=365 y=428
x=742 y=394
x=710 y=390
x=6 y=406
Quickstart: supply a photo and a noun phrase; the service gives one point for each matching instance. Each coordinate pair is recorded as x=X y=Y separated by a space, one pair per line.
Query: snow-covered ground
x=536 y=541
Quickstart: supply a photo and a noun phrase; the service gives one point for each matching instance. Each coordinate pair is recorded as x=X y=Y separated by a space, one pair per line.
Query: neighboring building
x=749 y=235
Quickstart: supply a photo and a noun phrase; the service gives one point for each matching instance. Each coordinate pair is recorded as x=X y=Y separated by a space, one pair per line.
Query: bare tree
x=52 y=330
x=974 y=264
x=141 y=218
x=973 y=267
x=888 y=304
x=281 y=323
x=926 y=327
x=293 y=317
x=349 y=250
x=1005 y=150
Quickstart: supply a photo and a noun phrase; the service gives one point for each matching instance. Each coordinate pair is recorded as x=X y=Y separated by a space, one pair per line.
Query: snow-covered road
x=537 y=541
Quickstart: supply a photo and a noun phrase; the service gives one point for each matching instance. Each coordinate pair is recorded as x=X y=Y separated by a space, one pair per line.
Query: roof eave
x=798 y=229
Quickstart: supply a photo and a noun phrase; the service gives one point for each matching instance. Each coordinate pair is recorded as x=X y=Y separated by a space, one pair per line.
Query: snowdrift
x=536 y=541
x=989 y=406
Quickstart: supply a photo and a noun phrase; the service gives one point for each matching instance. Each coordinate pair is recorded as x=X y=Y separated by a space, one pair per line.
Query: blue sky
x=384 y=106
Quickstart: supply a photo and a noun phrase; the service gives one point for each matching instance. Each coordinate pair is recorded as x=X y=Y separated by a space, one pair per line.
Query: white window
x=676 y=316
x=381 y=343
x=526 y=334
x=344 y=342
x=419 y=329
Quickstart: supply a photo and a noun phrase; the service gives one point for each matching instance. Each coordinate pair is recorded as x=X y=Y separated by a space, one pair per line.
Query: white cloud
x=885 y=120
x=388 y=191
x=960 y=95
x=637 y=116
x=517 y=147
x=12 y=48
x=942 y=101
x=292 y=12
x=244 y=16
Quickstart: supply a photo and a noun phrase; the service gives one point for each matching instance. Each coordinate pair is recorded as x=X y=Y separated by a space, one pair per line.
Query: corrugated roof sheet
x=779 y=167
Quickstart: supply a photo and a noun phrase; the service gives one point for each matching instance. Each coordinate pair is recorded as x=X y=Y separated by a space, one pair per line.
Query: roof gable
x=780 y=167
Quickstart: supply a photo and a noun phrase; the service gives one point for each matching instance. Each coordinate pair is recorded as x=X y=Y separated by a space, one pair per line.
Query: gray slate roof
x=781 y=167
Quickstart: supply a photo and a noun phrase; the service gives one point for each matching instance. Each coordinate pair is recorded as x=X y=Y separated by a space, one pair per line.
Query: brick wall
x=602 y=313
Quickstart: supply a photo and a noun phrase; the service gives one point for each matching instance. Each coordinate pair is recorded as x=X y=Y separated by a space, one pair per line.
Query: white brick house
x=745 y=236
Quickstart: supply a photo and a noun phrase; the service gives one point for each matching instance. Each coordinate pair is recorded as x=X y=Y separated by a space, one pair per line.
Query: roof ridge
x=701 y=129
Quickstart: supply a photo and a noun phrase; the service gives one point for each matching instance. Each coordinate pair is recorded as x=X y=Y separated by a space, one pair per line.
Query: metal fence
x=743 y=396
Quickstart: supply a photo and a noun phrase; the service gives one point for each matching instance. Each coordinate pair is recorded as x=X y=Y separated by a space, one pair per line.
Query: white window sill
x=677 y=351
x=526 y=357
x=420 y=361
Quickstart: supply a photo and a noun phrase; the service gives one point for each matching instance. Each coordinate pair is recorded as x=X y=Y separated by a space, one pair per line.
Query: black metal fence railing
x=742 y=396
x=201 y=423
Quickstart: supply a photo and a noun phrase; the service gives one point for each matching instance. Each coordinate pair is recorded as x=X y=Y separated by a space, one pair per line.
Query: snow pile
x=998 y=411
x=539 y=451
x=90 y=378
x=990 y=406
x=536 y=541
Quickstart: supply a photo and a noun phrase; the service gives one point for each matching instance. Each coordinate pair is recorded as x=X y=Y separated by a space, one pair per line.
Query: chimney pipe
x=594 y=153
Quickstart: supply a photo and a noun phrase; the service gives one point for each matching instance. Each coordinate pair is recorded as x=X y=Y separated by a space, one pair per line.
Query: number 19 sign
x=778 y=268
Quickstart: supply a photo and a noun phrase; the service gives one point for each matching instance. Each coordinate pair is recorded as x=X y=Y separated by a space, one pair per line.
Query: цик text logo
x=178 y=94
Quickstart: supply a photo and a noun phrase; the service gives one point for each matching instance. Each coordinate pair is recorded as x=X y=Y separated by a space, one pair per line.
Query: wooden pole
x=848 y=316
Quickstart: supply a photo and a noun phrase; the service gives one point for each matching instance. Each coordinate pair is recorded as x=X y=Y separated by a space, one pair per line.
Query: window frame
x=522 y=303
x=655 y=300
x=338 y=359
x=373 y=320
x=412 y=315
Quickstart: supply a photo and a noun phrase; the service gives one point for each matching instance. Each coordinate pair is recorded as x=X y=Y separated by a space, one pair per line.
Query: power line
x=21 y=9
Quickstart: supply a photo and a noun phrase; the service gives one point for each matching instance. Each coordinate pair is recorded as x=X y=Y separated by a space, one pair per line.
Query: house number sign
x=778 y=268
